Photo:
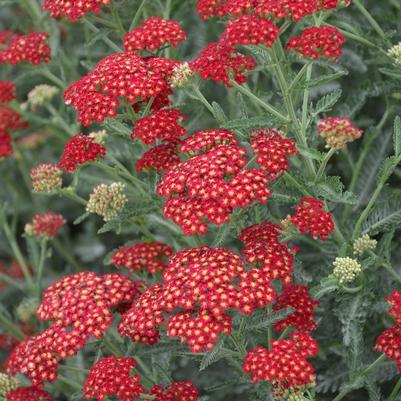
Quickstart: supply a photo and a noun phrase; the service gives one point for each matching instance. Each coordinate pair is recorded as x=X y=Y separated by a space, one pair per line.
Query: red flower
x=31 y=48
x=324 y=41
x=5 y=144
x=79 y=150
x=217 y=60
x=204 y=140
x=303 y=318
x=159 y=158
x=121 y=75
x=389 y=343
x=175 y=391
x=7 y=91
x=73 y=9
x=153 y=33
x=112 y=376
x=142 y=256
x=310 y=217
x=10 y=120
x=272 y=151
x=163 y=125
x=250 y=30
x=45 y=225
x=338 y=131
x=199 y=329
x=264 y=250
x=141 y=322
x=28 y=394
x=295 y=9
x=285 y=364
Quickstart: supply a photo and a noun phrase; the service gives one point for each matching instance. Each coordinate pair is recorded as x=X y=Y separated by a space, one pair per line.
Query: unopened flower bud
x=7 y=383
x=395 y=53
x=45 y=225
x=346 y=269
x=364 y=244
x=181 y=75
x=99 y=137
x=41 y=94
x=26 y=310
x=338 y=131
x=107 y=200
x=46 y=178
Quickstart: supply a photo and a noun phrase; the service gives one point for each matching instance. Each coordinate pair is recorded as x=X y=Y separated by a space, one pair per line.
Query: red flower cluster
x=250 y=30
x=294 y=9
x=325 y=41
x=79 y=150
x=159 y=158
x=7 y=91
x=73 y=9
x=31 y=48
x=121 y=75
x=204 y=140
x=389 y=342
x=285 y=364
x=338 y=131
x=310 y=217
x=81 y=306
x=143 y=256
x=303 y=318
x=153 y=33
x=28 y=394
x=208 y=186
x=142 y=320
x=175 y=391
x=162 y=124
x=217 y=60
x=272 y=151
x=263 y=249
x=112 y=376
x=45 y=225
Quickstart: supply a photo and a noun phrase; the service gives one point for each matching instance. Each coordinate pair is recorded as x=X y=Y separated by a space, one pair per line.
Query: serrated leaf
x=253 y=122
x=327 y=102
x=212 y=356
x=262 y=321
x=117 y=127
x=311 y=153
x=324 y=79
x=332 y=190
x=218 y=113
x=397 y=136
x=81 y=218
x=394 y=73
x=102 y=34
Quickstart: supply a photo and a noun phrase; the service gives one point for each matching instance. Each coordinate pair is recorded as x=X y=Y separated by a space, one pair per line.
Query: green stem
x=49 y=75
x=59 y=118
x=296 y=184
x=117 y=20
x=74 y=369
x=323 y=165
x=10 y=281
x=391 y=270
x=269 y=329
x=202 y=98
x=270 y=109
x=18 y=255
x=68 y=193
x=137 y=15
x=105 y=39
x=145 y=369
x=40 y=267
x=396 y=389
x=10 y=327
x=370 y=19
x=68 y=256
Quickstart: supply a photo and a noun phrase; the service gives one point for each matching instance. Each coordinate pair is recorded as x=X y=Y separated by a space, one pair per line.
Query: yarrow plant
x=200 y=200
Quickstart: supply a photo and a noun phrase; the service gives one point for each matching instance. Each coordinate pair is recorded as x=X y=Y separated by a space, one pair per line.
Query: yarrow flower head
x=107 y=200
x=99 y=137
x=175 y=391
x=122 y=75
x=46 y=178
x=45 y=225
x=159 y=158
x=364 y=244
x=285 y=365
x=153 y=33
x=303 y=318
x=310 y=217
x=181 y=75
x=338 y=131
x=112 y=376
x=346 y=270
x=294 y=9
x=143 y=256
x=41 y=94
x=217 y=61
x=163 y=125
x=7 y=91
x=323 y=41
x=7 y=384
x=73 y=9
x=395 y=53
x=31 y=48
x=250 y=30
x=28 y=394
x=26 y=310
x=272 y=151
x=80 y=149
